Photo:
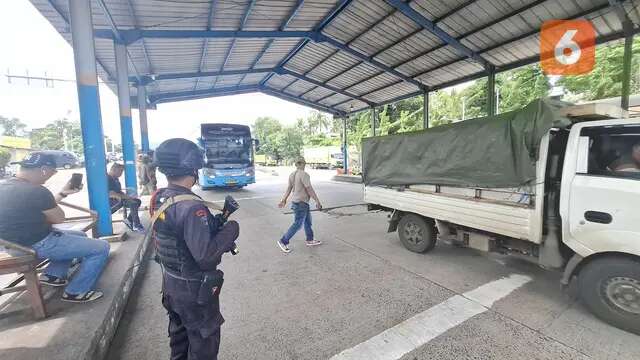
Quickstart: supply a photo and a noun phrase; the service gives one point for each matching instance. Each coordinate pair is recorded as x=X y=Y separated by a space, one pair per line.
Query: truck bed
x=500 y=211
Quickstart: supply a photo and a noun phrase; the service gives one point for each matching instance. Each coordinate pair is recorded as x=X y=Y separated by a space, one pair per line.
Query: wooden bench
x=28 y=265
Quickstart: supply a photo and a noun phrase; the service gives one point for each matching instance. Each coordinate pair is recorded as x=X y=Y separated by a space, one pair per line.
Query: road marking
x=407 y=336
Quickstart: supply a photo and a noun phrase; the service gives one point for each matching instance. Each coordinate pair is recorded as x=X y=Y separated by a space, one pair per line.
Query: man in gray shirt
x=300 y=186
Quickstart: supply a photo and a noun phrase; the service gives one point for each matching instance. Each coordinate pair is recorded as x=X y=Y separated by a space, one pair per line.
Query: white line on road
x=412 y=333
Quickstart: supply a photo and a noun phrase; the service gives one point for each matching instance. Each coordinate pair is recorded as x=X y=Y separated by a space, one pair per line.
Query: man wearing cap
x=300 y=187
x=27 y=212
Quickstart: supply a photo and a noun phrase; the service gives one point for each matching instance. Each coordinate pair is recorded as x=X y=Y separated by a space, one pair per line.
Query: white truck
x=581 y=216
x=323 y=157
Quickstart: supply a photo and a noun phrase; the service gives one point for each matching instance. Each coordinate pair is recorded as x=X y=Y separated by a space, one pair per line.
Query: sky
x=31 y=45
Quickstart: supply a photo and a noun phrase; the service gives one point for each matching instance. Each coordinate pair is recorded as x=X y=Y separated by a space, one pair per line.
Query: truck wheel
x=416 y=233
x=610 y=288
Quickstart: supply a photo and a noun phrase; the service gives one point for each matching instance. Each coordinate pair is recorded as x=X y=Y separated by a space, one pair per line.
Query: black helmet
x=178 y=157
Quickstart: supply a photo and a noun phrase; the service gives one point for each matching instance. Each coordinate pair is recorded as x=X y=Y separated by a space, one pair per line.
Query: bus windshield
x=228 y=149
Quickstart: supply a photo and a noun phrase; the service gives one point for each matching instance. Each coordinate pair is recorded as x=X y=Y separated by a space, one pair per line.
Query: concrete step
x=73 y=331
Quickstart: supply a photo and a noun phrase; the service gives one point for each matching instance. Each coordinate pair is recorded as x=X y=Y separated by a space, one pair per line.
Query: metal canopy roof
x=336 y=56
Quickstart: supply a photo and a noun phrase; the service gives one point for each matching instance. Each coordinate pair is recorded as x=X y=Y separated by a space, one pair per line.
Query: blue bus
x=228 y=154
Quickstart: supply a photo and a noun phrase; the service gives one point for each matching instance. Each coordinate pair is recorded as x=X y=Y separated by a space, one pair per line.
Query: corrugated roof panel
x=317 y=93
x=410 y=48
x=452 y=72
x=244 y=53
x=356 y=18
x=309 y=57
x=354 y=75
x=268 y=14
x=216 y=51
x=369 y=85
x=278 y=81
x=332 y=66
x=429 y=61
x=391 y=92
x=153 y=14
x=434 y=9
x=279 y=49
x=394 y=27
x=174 y=55
x=228 y=80
x=311 y=12
x=299 y=87
x=252 y=79
x=353 y=105
x=334 y=99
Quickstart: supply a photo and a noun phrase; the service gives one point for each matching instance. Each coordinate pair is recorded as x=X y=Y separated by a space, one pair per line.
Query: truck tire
x=610 y=288
x=416 y=233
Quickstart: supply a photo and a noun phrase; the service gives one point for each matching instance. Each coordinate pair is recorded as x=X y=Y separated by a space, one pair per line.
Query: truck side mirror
x=256 y=143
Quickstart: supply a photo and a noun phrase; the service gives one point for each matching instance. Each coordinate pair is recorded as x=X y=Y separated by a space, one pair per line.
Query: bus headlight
x=209 y=172
x=250 y=172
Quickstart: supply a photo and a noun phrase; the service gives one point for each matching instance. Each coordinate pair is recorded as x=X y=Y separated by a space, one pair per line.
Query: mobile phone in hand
x=76 y=181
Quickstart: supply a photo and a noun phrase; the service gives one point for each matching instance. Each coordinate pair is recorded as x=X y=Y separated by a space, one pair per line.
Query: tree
x=520 y=87
x=265 y=129
x=288 y=143
x=5 y=157
x=11 y=127
x=56 y=135
x=605 y=80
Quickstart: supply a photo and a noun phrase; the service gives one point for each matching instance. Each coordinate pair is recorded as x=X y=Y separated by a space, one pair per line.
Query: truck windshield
x=228 y=149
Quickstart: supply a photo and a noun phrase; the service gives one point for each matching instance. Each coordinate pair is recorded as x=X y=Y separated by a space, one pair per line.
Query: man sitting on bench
x=27 y=211
x=118 y=199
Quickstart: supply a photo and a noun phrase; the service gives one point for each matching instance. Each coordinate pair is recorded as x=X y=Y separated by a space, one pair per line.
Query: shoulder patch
x=201 y=213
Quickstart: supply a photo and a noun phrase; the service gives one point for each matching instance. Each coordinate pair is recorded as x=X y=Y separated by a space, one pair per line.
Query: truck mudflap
x=570 y=269
x=394 y=220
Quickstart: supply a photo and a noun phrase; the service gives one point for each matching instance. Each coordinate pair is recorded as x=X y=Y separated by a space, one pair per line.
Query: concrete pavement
x=317 y=302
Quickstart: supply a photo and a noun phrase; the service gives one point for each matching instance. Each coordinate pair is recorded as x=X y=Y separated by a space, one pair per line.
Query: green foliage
x=52 y=136
x=5 y=157
x=520 y=87
x=606 y=78
x=11 y=127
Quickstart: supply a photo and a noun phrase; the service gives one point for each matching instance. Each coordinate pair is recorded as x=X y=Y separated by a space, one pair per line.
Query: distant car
x=64 y=159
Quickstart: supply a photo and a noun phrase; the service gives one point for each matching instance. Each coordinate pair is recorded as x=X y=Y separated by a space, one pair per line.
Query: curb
x=99 y=346
x=348 y=178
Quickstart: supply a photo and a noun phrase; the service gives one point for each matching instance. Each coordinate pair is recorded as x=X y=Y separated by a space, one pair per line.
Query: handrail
x=9 y=244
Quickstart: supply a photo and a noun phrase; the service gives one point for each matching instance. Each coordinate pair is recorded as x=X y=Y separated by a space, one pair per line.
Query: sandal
x=52 y=280
x=82 y=298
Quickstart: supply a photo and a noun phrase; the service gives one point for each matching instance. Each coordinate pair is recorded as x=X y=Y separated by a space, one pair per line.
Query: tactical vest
x=171 y=249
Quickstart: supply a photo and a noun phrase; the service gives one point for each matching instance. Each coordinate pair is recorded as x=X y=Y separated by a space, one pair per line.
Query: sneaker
x=313 y=242
x=128 y=223
x=284 y=247
x=52 y=280
x=90 y=295
x=138 y=228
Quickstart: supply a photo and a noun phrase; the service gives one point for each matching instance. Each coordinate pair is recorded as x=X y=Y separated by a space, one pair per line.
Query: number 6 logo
x=567 y=47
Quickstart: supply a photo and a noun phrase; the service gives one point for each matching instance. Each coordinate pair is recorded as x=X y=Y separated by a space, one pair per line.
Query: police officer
x=190 y=242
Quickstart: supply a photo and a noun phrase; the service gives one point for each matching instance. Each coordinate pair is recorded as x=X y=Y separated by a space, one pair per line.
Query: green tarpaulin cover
x=493 y=151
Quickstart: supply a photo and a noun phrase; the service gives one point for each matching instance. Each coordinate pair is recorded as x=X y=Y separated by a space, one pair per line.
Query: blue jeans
x=61 y=247
x=302 y=216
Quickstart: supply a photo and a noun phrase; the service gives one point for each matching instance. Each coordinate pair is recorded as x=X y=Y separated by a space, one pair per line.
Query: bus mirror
x=256 y=142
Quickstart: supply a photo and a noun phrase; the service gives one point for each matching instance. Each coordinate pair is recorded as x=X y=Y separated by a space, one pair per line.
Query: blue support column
x=126 y=126
x=345 y=145
x=90 y=118
x=425 y=110
x=142 y=110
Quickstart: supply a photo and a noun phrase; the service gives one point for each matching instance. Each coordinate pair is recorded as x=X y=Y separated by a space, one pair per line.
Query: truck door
x=604 y=198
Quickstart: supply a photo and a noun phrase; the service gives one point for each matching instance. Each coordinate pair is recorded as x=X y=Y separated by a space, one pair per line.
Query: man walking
x=300 y=187
x=27 y=213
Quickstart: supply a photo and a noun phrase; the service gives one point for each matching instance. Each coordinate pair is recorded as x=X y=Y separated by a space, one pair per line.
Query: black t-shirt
x=22 y=220
x=114 y=185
